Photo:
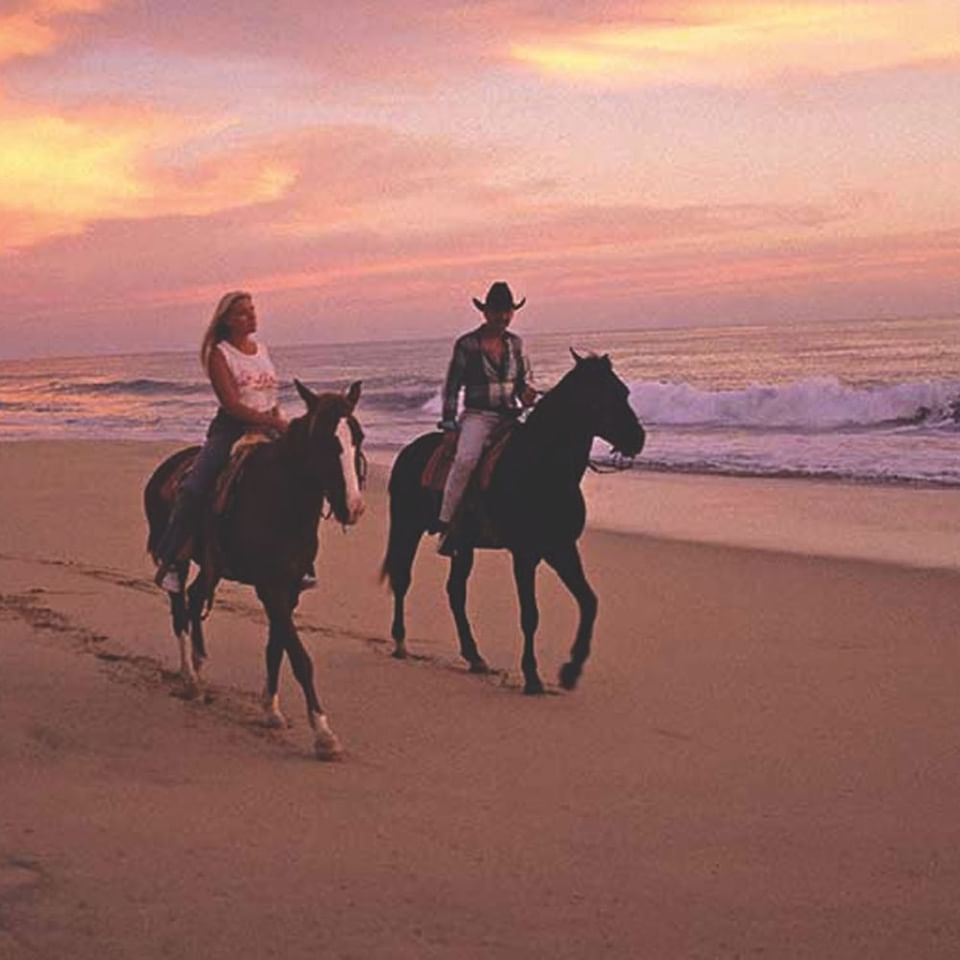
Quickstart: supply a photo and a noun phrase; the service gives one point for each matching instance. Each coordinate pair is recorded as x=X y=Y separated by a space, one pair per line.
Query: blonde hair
x=217 y=328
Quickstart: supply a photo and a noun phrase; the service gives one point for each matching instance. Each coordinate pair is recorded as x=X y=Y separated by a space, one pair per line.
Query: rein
x=618 y=463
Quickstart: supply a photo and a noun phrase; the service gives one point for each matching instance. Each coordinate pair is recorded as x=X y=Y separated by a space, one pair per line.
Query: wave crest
x=820 y=403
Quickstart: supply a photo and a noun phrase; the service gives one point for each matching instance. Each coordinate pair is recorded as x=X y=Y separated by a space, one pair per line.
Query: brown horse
x=533 y=508
x=268 y=538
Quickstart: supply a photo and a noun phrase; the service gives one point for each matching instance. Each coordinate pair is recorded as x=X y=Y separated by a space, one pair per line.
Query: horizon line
x=285 y=345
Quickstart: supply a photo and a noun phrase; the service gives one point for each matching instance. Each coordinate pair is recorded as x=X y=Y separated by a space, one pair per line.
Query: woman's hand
x=277 y=421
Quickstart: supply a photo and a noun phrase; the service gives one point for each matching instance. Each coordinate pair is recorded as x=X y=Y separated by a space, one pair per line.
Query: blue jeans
x=198 y=485
x=224 y=431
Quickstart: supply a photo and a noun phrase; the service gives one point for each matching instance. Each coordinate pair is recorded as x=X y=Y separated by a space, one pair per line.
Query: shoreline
x=910 y=526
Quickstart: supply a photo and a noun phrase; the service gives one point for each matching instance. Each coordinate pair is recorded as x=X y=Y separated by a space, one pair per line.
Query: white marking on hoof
x=188 y=671
x=272 y=715
x=326 y=744
x=171 y=582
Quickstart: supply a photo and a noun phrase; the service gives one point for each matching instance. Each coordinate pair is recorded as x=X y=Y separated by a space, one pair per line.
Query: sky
x=366 y=167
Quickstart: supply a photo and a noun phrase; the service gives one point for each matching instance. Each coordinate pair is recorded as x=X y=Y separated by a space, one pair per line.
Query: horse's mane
x=555 y=401
x=329 y=408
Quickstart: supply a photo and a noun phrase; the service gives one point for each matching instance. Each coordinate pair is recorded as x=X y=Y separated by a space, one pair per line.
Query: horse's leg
x=279 y=601
x=524 y=573
x=460 y=566
x=186 y=625
x=271 y=690
x=181 y=629
x=178 y=606
x=196 y=595
x=398 y=566
x=566 y=561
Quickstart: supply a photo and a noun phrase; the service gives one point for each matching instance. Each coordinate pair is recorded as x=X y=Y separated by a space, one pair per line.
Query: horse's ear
x=576 y=356
x=306 y=394
x=353 y=394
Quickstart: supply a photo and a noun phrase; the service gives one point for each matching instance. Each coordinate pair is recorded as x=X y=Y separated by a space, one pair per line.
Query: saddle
x=223 y=497
x=231 y=473
x=471 y=521
x=437 y=467
x=226 y=482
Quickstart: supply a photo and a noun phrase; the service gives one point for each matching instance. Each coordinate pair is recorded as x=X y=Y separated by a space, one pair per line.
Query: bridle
x=360 y=462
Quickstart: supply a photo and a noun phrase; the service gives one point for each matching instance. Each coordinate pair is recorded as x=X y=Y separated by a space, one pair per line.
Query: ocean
x=863 y=401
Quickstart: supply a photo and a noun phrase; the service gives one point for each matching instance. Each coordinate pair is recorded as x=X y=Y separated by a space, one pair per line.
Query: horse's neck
x=293 y=462
x=558 y=441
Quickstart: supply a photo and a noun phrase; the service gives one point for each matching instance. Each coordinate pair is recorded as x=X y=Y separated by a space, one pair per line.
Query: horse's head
x=328 y=440
x=604 y=400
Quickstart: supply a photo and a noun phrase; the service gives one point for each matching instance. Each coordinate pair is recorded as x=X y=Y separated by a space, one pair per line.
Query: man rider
x=490 y=366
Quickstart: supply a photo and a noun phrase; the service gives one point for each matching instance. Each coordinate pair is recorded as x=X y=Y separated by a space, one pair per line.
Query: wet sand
x=761 y=758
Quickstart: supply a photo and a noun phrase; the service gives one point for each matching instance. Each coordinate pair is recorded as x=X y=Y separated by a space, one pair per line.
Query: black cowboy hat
x=499 y=297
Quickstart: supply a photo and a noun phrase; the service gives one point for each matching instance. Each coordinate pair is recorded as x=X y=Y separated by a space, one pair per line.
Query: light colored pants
x=475 y=429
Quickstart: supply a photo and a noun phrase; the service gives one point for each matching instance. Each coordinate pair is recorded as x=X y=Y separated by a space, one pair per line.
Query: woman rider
x=245 y=383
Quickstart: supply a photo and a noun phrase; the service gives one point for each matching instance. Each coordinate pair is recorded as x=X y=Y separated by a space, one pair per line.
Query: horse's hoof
x=399 y=653
x=569 y=675
x=327 y=747
x=275 y=721
x=479 y=665
x=533 y=688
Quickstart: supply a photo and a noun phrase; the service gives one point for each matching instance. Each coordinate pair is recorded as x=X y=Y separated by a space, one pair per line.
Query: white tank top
x=253 y=374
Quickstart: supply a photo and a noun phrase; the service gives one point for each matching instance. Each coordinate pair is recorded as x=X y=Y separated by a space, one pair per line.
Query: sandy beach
x=760 y=761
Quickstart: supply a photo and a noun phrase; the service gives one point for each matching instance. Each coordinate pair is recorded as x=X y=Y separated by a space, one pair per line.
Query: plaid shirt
x=485 y=385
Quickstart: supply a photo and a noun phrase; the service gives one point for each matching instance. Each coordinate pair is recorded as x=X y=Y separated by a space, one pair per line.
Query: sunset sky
x=364 y=167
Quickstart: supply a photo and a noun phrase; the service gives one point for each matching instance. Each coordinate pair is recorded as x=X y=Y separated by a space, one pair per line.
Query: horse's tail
x=391 y=558
x=411 y=511
x=386 y=566
x=398 y=558
x=156 y=509
x=159 y=494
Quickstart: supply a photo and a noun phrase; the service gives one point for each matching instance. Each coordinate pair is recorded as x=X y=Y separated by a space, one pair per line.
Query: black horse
x=533 y=507
x=268 y=538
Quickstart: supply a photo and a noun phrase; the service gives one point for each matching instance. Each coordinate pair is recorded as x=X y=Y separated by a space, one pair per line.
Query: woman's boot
x=173 y=543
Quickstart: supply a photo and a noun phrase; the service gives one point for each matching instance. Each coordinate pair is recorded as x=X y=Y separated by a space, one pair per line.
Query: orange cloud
x=58 y=174
x=737 y=43
x=35 y=28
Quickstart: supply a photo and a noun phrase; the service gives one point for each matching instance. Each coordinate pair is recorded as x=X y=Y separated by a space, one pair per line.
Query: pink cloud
x=358 y=289
x=326 y=248
x=388 y=45
x=716 y=42
x=264 y=175
x=33 y=28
